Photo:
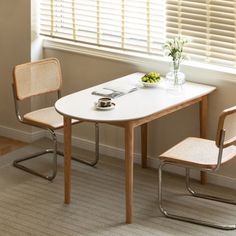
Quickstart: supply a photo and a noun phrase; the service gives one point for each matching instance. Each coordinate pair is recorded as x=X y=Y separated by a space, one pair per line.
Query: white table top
x=138 y=104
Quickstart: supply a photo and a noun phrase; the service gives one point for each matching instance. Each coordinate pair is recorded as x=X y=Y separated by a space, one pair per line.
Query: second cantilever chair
x=205 y=155
x=40 y=78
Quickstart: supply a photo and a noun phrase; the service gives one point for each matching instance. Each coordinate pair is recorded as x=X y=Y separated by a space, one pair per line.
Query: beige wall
x=81 y=71
x=14 y=49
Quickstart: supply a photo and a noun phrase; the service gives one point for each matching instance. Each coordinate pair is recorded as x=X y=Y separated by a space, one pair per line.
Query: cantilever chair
x=40 y=78
x=205 y=155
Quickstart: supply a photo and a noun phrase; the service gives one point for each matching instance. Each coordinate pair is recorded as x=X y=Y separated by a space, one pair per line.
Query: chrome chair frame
x=194 y=193
x=54 y=150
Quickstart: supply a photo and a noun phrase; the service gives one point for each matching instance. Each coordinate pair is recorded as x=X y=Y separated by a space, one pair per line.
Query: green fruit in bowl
x=151 y=77
x=145 y=79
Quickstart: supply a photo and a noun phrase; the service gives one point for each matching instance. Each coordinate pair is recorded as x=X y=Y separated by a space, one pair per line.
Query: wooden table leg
x=144 y=129
x=67 y=159
x=203 y=129
x=129 y=147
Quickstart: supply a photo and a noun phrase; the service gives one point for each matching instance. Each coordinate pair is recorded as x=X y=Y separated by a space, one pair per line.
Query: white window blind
x=144 y=25
x=124 y=24
x=211 y=26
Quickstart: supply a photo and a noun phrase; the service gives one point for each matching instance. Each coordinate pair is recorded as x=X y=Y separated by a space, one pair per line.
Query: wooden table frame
x=129 y=147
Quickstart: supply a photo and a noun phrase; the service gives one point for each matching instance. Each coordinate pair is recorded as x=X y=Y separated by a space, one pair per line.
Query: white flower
x=174 y=48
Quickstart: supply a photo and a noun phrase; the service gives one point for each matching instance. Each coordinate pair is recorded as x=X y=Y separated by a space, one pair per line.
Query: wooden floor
x=8 y=145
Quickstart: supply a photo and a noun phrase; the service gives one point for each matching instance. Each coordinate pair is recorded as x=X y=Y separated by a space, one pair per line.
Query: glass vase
x=175 y=76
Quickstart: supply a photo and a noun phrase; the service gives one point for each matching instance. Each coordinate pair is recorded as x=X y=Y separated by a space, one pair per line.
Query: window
x=211 y=24
x=144 y=25
x=128 y=25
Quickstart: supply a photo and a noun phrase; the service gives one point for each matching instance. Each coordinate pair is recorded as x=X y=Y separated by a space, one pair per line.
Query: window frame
x=137 y=59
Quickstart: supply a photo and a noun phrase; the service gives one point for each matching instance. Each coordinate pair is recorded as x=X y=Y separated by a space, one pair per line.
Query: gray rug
x=32 y=206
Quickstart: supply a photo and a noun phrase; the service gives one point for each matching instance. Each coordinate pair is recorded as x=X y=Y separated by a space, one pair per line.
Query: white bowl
x=150 y=85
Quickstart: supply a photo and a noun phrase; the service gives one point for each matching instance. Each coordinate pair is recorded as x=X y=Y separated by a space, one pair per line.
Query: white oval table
x=131 y=110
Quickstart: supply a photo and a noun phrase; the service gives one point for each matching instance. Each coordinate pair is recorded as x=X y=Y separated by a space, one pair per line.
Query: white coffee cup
x=104 y=102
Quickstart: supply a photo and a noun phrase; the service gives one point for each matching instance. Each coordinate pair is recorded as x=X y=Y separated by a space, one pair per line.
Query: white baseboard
x=113 y=152
x=90 y=146
x=23 y=136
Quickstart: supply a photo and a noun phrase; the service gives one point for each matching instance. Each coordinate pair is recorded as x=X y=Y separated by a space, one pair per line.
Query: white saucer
x=105 y=108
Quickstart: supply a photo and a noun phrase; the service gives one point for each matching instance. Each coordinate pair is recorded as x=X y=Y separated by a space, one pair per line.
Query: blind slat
x=211 y=26
x=124 y=23
x=144 y=25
